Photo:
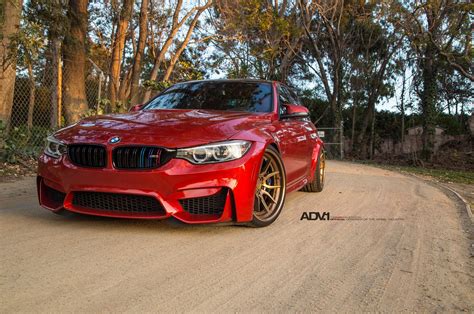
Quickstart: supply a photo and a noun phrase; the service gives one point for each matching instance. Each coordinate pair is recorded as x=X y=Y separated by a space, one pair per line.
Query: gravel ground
x=406 y=248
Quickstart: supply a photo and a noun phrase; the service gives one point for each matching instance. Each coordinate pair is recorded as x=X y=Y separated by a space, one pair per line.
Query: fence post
x=342 y=139
x=99 y=92
x=60 y=93
x=56 y=84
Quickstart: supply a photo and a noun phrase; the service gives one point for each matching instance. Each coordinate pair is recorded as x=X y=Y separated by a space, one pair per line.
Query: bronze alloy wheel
x=270 y=189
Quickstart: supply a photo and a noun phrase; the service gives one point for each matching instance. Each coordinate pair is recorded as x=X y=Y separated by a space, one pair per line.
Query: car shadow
x=71 y=219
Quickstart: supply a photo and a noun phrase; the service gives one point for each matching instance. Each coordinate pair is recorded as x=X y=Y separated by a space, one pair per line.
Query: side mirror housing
x=295 y=111
x=135 y=108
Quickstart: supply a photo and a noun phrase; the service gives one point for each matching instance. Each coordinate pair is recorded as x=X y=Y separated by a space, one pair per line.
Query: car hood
x=168 y=128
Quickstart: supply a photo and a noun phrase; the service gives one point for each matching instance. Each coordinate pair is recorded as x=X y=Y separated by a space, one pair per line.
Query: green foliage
x=263 y=37
x=444 y=175
x=29 y=42
x=19 y=142
x=103 y=106
x=157 y=86
x=453 y=125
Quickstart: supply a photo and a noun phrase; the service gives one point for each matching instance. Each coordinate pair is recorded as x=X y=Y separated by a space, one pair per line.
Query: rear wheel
x=270 y=190
x=317 y=184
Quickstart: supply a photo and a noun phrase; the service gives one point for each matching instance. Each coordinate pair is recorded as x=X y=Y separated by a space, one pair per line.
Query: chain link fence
x=38 y=109
x=333 y=139
x=38 y=106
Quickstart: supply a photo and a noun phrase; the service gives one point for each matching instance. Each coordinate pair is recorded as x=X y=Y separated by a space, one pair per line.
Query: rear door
x=293 y=138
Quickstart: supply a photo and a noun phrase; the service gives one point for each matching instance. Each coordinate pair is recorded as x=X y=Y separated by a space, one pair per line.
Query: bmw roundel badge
x=114 y=140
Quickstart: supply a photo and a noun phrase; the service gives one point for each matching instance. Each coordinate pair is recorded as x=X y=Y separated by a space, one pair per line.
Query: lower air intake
x=52 y=197
x=120 y=203
x=208 y=205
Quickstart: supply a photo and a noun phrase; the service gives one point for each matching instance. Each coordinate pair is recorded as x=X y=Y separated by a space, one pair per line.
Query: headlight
x=212 y=153
x=54 y=147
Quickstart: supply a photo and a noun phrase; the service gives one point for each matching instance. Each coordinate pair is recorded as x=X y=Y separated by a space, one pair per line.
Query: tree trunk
x=117 y=51
x=428 y=101
x=337 y=93
x=372 y=136
x=181 y=48
x=354 y=112
x=402 y=113
x=362 y=139
x=137 y=63
x=75 y=101
x=31 y=103
x=160 y=55
x=56 y=95
x=373 y=89
x=11 y=10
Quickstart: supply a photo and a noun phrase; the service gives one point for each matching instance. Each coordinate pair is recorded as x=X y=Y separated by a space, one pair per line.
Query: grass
x=444 y=175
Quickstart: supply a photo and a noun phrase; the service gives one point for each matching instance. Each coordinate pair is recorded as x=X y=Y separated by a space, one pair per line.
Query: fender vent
x=207 y=205
x=52 y=197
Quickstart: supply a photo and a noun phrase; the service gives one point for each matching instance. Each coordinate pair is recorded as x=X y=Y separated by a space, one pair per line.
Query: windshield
x=230 y=96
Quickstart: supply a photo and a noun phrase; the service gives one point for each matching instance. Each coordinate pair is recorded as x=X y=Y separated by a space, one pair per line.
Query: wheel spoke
x=267 y=166
x=268 y=176
x=271 y=186
x=269 y=196
x=264 y=203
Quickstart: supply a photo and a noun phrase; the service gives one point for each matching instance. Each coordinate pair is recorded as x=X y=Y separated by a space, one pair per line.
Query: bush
x=20 y=143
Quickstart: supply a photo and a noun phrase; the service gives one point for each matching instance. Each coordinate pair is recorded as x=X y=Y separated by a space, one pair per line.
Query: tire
x=270 y=193
x=317 y=185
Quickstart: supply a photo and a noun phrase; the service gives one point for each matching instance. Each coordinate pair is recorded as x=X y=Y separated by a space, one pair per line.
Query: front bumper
x=173 y=185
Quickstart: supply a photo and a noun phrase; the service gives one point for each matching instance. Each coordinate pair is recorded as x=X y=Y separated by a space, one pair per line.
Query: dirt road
x=414 y=256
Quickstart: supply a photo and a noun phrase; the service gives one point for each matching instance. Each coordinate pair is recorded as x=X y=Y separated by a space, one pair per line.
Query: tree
x=439 y=33
x=117 y=49
x=325 y=26
x=257 y=38
x=137 y=61
x=161 y=43
x=75 y=100
x=373 y=57
x=30 y=43
x=185 y=42
x=10 y=21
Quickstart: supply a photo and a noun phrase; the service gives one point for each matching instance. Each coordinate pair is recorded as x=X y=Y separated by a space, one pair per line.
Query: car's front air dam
x=174 y=181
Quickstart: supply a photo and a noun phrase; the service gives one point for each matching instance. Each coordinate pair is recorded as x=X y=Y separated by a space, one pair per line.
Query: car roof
x=247 y=80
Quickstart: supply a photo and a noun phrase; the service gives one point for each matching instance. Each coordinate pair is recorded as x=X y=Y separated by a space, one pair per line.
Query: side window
x=295 y=97
x=283 y=98
x=290 y=95
x=287 y=96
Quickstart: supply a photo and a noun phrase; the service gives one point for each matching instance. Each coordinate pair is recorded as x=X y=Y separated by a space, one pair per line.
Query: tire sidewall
x=319 y=182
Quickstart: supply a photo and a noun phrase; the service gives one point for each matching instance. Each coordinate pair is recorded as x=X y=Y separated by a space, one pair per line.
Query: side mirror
x=135 y=108
x=294 y=111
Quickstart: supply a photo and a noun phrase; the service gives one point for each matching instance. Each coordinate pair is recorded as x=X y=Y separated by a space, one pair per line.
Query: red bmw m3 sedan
x=201 y=151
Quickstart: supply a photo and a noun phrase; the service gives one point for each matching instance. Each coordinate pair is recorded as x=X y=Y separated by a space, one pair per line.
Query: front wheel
x=270 y=190
x=317 y=184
